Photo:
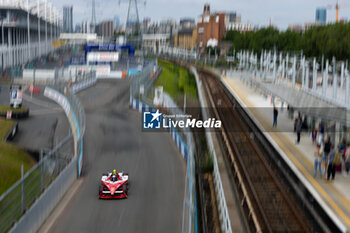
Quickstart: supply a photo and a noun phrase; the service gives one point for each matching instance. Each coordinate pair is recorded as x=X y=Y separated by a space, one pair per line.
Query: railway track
x=267 y=202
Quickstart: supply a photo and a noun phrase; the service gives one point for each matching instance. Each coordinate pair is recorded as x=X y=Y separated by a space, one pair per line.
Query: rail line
x=266 y=201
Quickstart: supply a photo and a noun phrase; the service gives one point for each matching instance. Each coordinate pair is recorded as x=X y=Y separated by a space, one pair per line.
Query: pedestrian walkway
x=335 y=194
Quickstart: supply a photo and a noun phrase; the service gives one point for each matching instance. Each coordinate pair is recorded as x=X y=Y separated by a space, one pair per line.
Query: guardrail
x=42 y=207
x=185 y=146
x=222 y=206
x=39 y=190
x=84 y=84
x=140 y=83
x=18 y=199
x=76 y=117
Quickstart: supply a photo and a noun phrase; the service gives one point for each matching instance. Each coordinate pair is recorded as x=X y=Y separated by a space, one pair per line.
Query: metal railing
x=326 y=80
x=19 y=197
x=77 y=113
x=139 y=87
x=221 y=200
x=140 y=83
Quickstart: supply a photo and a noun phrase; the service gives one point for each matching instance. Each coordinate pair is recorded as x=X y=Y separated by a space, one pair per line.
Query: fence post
x=325 y=79
x=294 y=71
x=347 y=88
x=42 y=170
x=342 y=75
x=22 y=188
x=307 y=76
x=314 y=75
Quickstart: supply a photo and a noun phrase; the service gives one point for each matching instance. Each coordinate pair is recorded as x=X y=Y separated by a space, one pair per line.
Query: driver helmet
x=114 y=172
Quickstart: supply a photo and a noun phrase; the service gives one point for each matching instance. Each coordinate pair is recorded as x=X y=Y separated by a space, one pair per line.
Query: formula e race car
x=114 y=185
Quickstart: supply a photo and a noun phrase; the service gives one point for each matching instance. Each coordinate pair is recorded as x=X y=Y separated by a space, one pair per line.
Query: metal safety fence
x=220 y=196
x=76 y=113
x=139 y=88
x=140 y=83
x=18 y=199
x=80 y=122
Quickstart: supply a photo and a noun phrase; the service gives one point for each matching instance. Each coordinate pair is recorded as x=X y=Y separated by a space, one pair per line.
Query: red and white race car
x=114 y=186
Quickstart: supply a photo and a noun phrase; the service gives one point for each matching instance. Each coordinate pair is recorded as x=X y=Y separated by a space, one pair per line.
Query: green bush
x=207 y=165
x=176 y=81
x=328 y=40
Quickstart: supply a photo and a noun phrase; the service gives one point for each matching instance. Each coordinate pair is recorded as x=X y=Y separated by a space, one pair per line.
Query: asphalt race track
x=46 y=125
x=113 y=139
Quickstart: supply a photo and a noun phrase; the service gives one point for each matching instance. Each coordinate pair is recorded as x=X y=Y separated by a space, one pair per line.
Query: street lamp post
x=51 y=24
x=2 y=42
x=45 y=26
x=39 y=32
x=28 y=29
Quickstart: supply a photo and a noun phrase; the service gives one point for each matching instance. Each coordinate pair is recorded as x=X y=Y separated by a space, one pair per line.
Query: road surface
x=113 y=139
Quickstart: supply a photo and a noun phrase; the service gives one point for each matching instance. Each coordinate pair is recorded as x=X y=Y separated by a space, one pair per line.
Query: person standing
x=298 y=130
x=347 y=160
x=275 y=115
x=342 y=147
x=314 y=136
x=326 y=150
x=321 y=133
x=331 y=164
x=318 y=160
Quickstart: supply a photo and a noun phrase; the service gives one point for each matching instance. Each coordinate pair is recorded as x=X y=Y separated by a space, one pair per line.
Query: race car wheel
x=99 y=190
x=126 y=189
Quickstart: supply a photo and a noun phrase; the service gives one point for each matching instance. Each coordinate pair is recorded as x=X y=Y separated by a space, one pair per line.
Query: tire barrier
x=16 y=114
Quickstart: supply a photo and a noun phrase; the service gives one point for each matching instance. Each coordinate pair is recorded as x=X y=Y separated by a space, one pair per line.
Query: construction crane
x=337 y=6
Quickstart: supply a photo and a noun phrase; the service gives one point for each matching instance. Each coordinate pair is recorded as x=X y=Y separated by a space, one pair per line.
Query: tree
x=329 y=40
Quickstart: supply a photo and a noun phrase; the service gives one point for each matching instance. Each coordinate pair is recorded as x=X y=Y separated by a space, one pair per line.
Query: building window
x=200 y=44
x=200 y=30
x=217 y=18
x=206 y=19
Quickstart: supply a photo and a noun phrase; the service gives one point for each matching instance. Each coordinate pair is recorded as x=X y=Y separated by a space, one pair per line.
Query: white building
x=155 y=42
x=242 y=27
x=28 y=30
x=85 y=27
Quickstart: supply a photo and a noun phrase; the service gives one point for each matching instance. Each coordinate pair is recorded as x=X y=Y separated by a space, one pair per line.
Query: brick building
x=186 y=38
x=210 y=26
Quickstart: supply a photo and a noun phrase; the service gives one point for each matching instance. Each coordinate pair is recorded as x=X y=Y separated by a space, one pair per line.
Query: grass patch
x=5 y=127
x=11 y=159
x=5 y=108
x=177 y=81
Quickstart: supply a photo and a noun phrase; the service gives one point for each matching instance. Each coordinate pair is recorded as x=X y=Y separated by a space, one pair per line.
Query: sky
x=259 y=12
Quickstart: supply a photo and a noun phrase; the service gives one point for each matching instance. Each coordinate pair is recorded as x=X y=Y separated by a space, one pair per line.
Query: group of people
x=329 y=159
